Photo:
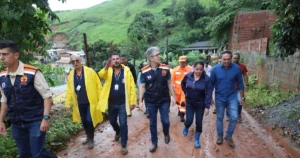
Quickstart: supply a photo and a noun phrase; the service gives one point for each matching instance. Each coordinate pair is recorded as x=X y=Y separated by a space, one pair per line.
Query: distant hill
x=107 y=21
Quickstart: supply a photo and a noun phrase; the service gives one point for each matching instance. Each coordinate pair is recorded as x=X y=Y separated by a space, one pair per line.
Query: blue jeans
x=86 y=120
x=232 y=112
x=190 y=112
x=164 y=116
x=30 y=140
x=119 y=110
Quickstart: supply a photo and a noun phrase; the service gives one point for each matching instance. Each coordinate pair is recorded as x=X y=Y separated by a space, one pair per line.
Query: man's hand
x=45 y=125
x=132 y=107
x=173 y=101
x=242 y=102
x=108 y=64
x=206 y=112
x=2 y=129
x=68 y=110
x=246 y=88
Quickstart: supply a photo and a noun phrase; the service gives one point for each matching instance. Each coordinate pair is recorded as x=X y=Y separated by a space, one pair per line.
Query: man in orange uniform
x=178 y=74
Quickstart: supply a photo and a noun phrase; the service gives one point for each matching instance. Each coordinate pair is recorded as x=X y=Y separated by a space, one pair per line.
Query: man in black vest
x=26 y=99
x=156 y=85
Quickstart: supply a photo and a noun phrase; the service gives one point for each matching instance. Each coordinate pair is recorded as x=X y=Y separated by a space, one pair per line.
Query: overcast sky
x=73 y=4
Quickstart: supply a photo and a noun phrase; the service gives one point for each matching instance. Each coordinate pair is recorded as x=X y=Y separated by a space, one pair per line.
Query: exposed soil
x=251 y=141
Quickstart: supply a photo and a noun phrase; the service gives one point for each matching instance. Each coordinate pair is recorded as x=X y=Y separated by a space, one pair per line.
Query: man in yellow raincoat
x=83 y=94
x=118 y=96
x=177 y=75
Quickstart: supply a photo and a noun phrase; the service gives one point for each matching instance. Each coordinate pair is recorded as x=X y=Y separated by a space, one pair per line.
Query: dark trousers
x=164 y=116
x=30 y=140
x=190 y=112
x=86 y=120
x=119 y=110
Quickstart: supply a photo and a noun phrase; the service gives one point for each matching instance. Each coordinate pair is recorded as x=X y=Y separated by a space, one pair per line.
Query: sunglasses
x=74 y=61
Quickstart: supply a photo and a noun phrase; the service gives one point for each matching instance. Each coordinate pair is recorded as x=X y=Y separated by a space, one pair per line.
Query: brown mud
x=251 y=141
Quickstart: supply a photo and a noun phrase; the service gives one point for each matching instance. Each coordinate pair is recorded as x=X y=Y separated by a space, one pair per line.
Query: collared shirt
x=208 y=70
x=40 y=83
x=224 y=79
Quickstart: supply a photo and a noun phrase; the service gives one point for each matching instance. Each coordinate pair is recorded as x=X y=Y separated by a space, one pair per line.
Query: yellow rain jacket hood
x=93 y=89
x=130 y=90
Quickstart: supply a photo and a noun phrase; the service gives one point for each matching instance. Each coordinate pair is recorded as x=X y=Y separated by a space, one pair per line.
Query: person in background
x=125 y=62
x=198 y=91
x=207 y=68
x=236 y=60
x=26 y=99
x=227 y=80
x=83 y=93
x=178 y=74
x=155 y=88
x=142 y=65
x=118 y=97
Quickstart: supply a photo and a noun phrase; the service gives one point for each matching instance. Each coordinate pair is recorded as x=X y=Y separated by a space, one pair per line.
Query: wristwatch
x=46 y=117
x=243 y=98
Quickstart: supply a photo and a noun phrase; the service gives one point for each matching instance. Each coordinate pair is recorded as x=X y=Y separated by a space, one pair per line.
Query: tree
x=286 y=31
x=27 y=23
x=219 y=27
x=193 y=11
x=142 y=31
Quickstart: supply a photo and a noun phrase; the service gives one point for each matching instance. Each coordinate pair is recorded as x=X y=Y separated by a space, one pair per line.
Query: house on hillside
x=204 y=47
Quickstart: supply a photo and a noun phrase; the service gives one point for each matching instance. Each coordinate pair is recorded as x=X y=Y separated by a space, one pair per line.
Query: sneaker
x=230 y=141
x=117 y=137
x=124 y=150
x=219 y=140
x=214 y=112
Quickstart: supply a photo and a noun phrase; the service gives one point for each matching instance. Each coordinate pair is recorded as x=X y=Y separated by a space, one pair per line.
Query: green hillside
x=108 y=21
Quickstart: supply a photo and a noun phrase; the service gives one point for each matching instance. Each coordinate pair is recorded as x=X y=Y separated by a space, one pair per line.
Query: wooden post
x=134 y=54
x=111 y=45
x=86 y=51
x=167 y=47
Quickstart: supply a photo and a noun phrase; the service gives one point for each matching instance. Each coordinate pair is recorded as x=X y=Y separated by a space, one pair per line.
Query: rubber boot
x=87 y=137
x=91 y=141
x=185 y=131
x=197 y=140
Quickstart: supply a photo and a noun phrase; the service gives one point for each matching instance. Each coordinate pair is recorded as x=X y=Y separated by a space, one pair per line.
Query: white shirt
x=208 y=70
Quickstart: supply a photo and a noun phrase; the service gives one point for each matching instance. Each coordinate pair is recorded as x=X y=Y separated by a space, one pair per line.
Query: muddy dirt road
x=251 y=141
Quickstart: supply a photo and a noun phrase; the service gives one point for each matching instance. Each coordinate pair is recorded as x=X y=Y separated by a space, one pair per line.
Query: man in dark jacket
x=125 y=62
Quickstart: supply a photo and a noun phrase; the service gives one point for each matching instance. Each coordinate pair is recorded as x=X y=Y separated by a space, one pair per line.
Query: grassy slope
x=107 y=21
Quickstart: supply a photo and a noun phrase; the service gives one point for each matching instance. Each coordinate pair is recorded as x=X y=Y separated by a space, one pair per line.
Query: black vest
x=156 y=84
x=25 y=104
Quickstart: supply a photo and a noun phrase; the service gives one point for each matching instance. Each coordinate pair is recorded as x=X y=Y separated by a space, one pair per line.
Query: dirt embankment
x=251 y=141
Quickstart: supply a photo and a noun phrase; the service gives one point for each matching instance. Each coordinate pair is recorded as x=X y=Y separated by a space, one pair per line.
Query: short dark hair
x=115 y=53
x=226 y=52
x=123 y=55
x=9 y=44
x=141 y=65
x=238 y=54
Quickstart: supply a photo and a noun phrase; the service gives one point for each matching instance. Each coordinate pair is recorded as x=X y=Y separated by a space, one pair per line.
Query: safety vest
x=25 y=104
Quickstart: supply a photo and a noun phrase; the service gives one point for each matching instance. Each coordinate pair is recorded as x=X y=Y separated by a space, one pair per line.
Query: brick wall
x=251 y=25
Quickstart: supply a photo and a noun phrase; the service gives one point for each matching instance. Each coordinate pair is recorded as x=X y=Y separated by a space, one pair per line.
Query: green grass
x=106 y=21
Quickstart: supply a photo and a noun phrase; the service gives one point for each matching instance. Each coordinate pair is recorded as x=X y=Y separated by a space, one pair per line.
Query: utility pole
x=134 y=54
x=86 y=51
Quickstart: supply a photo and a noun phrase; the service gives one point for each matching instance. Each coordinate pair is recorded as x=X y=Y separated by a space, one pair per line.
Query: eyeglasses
x=74 y=61
x=155 y=55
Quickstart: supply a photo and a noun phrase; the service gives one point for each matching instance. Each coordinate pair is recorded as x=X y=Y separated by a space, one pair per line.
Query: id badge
x=116 y=87
x=78 y=88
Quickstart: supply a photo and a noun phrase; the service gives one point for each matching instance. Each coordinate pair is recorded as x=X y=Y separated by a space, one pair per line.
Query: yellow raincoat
x=93 y=89
x=130 y=90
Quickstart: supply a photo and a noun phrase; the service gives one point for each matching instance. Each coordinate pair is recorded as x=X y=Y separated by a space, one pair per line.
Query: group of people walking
x=27 y=103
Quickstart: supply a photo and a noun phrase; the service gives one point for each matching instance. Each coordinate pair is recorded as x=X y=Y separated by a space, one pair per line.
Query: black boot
x=153 y=148
x=87 y=137
x=91 y=141
x=182 y=117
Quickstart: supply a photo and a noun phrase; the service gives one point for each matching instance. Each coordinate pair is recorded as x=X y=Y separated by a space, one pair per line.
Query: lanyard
x=79 y=78
x=117 y=76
